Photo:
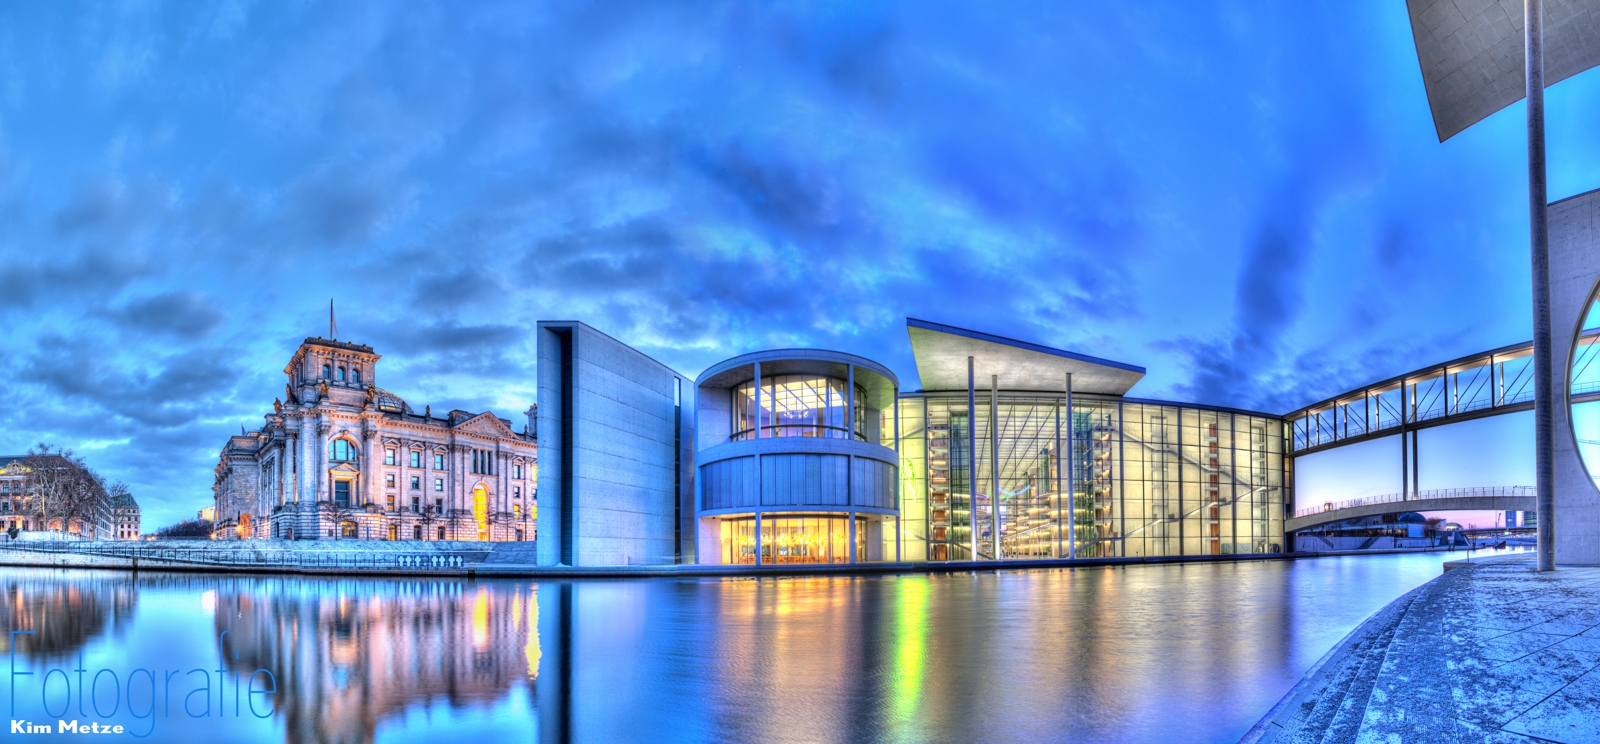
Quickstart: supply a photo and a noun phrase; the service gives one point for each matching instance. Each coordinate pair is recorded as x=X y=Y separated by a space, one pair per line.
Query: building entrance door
x=480 y=511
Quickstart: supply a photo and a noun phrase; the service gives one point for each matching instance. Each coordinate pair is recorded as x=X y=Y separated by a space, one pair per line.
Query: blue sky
x=1250 y=202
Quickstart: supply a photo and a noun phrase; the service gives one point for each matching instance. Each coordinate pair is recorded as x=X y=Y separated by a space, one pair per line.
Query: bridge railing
x=1441 y=493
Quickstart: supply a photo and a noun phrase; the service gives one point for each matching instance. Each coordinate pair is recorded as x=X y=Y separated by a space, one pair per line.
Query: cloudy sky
x=1250 y=201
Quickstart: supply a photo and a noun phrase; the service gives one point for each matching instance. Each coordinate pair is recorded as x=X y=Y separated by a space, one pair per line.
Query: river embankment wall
x=385 y=558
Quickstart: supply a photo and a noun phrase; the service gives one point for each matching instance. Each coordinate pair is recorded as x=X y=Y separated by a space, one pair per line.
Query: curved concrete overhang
x=1483 y=42
x=1457 y=503
x=880 y=383
x=793 y=446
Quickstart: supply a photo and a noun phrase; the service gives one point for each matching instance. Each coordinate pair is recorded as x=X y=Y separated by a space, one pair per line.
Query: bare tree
x=61 y=488
x=339 y=513
x=454 y=519
x=186 y=528
x=429 y=516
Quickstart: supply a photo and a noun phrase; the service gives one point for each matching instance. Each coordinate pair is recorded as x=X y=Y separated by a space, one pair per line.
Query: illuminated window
x=798 y=406
x=389 y=480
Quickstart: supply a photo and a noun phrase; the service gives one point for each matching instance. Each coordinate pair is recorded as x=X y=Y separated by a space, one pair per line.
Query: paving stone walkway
x=1490 y=652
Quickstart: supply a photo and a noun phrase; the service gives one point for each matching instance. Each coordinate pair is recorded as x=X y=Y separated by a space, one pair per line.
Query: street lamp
x=1471 y=68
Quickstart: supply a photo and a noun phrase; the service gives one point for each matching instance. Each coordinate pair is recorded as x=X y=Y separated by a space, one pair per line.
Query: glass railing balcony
x=797 y=430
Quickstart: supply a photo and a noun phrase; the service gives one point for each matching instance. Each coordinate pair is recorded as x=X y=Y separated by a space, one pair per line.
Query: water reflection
x=1148 y=653
x=60 y=617
x=349 y=655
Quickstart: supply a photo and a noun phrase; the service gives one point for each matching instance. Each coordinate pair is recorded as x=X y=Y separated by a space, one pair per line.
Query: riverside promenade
x=1489 y=652
x=494 y=560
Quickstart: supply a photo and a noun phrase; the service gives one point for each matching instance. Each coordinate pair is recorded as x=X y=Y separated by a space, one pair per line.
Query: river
x=1159 y=653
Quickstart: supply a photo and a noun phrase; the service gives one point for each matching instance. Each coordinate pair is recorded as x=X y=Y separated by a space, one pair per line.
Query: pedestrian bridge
x=1491 y=498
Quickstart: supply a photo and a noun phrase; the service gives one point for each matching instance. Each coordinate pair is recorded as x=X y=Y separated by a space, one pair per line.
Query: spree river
x=1175 y=653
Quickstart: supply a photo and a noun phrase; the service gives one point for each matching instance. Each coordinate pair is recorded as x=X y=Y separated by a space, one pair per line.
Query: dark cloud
x=106 y=204
x=66 y=276
x=343 y=204
x=158 y=392
x=1176 y=188
x=186 y=314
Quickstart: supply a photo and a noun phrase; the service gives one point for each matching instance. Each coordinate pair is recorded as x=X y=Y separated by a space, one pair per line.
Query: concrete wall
x=619 y=474
x=1574 y=271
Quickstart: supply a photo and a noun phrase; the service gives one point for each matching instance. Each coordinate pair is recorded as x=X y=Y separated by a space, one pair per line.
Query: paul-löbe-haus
x=791 y=456
x=1011 y=450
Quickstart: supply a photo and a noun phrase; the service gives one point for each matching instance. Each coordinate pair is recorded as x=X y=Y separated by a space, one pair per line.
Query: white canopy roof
x=941 y=352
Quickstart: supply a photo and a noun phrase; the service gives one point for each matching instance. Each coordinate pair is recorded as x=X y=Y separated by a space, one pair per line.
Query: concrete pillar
x=972 y=462
x=1072 y=500
x=994 y=466
x=758 y=526
x=850 y=403
x=1539 y=238
x=899 y=508
x=852 y=517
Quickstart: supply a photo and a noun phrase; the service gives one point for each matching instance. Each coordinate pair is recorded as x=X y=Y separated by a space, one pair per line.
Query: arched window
x=355 y=376
x=341 y=374
x=341 y=450
x=327 y=372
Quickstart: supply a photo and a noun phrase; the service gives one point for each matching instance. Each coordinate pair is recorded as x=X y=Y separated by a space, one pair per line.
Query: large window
x=1144 y=479
x=341 y=492
x=797 y=406
x=341 y=450
x=793 y=539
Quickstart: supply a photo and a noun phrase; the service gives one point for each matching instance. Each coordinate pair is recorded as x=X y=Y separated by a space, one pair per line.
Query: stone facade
x=124 y=518
x=18 y=508
x=343 y=458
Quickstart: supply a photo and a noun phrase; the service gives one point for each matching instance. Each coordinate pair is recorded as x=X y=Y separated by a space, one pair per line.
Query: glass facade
x=797 y=406
x=821 y=538
x=1145 y=479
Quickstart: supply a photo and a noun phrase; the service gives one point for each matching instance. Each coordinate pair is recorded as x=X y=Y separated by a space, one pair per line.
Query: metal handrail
x=1441 y=493
x=747 y=434
x=272 y=556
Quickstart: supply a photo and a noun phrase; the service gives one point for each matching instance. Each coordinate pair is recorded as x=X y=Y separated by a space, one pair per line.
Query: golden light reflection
x=480 y=620
x=911 y=646
x=530 y=632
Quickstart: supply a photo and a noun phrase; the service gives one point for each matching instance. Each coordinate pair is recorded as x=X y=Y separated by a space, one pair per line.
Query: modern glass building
x=1010 y=451
x=796 y=459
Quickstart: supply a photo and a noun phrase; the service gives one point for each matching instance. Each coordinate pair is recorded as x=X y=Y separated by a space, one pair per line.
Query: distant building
x=125 y=517
x=209 y=514
x=343 y=458
x=19 y=508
